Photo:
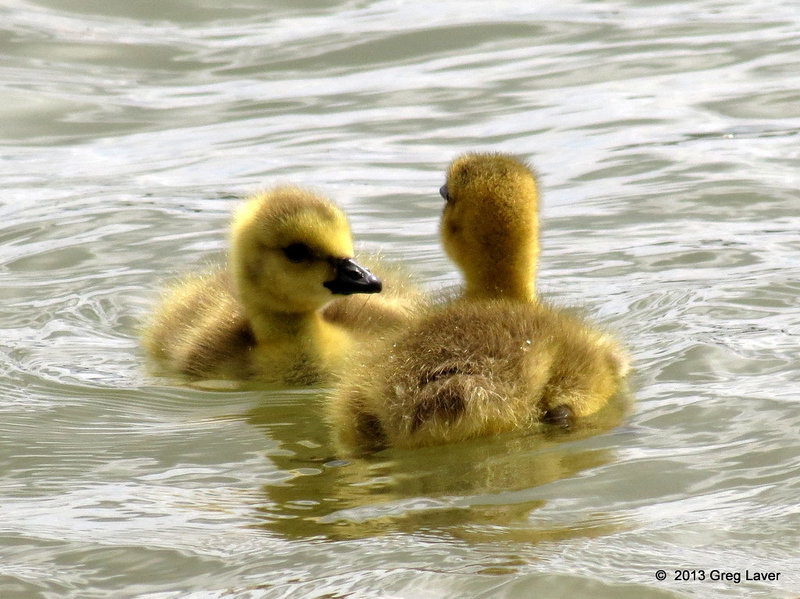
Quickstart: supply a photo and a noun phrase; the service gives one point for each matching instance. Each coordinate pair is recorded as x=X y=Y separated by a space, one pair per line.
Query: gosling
x=261 y=318
x=495 y=359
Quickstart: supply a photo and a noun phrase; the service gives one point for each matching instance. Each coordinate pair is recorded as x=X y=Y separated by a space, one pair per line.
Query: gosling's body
x=495 y=359
x=476 y=368
x=261 y=318
x=203 y=332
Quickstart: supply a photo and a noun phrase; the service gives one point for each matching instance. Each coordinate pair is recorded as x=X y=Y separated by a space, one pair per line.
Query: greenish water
x=666 y=139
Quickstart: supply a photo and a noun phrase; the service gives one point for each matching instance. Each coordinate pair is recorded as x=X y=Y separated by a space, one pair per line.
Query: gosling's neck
x=501 y=279
x=492 y=289
x=272 y=326
x=269 y=319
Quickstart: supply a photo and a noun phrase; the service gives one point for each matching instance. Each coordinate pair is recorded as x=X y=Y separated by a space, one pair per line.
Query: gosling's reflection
x=477 y=489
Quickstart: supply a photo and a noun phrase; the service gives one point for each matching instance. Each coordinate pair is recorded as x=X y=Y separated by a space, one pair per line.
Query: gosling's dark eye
x=444 y=193
x=297 y=252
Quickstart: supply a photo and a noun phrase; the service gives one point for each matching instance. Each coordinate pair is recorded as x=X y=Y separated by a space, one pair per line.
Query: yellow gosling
x=493 y=360
x=261 y=317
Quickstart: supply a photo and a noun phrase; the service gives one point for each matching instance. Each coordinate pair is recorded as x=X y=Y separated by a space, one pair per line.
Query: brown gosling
x=494 y=360
x=261 y=318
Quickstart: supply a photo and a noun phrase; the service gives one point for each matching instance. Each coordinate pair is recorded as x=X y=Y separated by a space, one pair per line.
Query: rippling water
x=666 y=139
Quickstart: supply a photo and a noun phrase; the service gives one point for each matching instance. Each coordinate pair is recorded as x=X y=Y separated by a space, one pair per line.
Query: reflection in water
x=475 y=490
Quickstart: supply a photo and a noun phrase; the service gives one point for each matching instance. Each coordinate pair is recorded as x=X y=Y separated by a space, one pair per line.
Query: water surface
x=666 y=139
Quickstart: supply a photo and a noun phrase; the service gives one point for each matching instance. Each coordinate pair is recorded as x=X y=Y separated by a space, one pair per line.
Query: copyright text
x=733 y=576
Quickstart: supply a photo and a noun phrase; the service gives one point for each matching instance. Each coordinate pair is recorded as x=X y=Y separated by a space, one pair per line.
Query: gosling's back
x=476 y=368
x=200 y=330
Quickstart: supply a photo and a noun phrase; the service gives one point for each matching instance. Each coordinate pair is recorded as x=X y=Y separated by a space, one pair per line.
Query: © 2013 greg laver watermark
x=734 y=576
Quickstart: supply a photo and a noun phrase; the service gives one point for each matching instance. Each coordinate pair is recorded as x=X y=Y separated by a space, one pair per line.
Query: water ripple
x=665 y=136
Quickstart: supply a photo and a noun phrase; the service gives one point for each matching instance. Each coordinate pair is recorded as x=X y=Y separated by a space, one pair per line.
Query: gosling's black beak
x=351 y=278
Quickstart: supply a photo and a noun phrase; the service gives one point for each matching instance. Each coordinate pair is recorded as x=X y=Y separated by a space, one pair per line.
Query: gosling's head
x=291 y=251
x=490 y=224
